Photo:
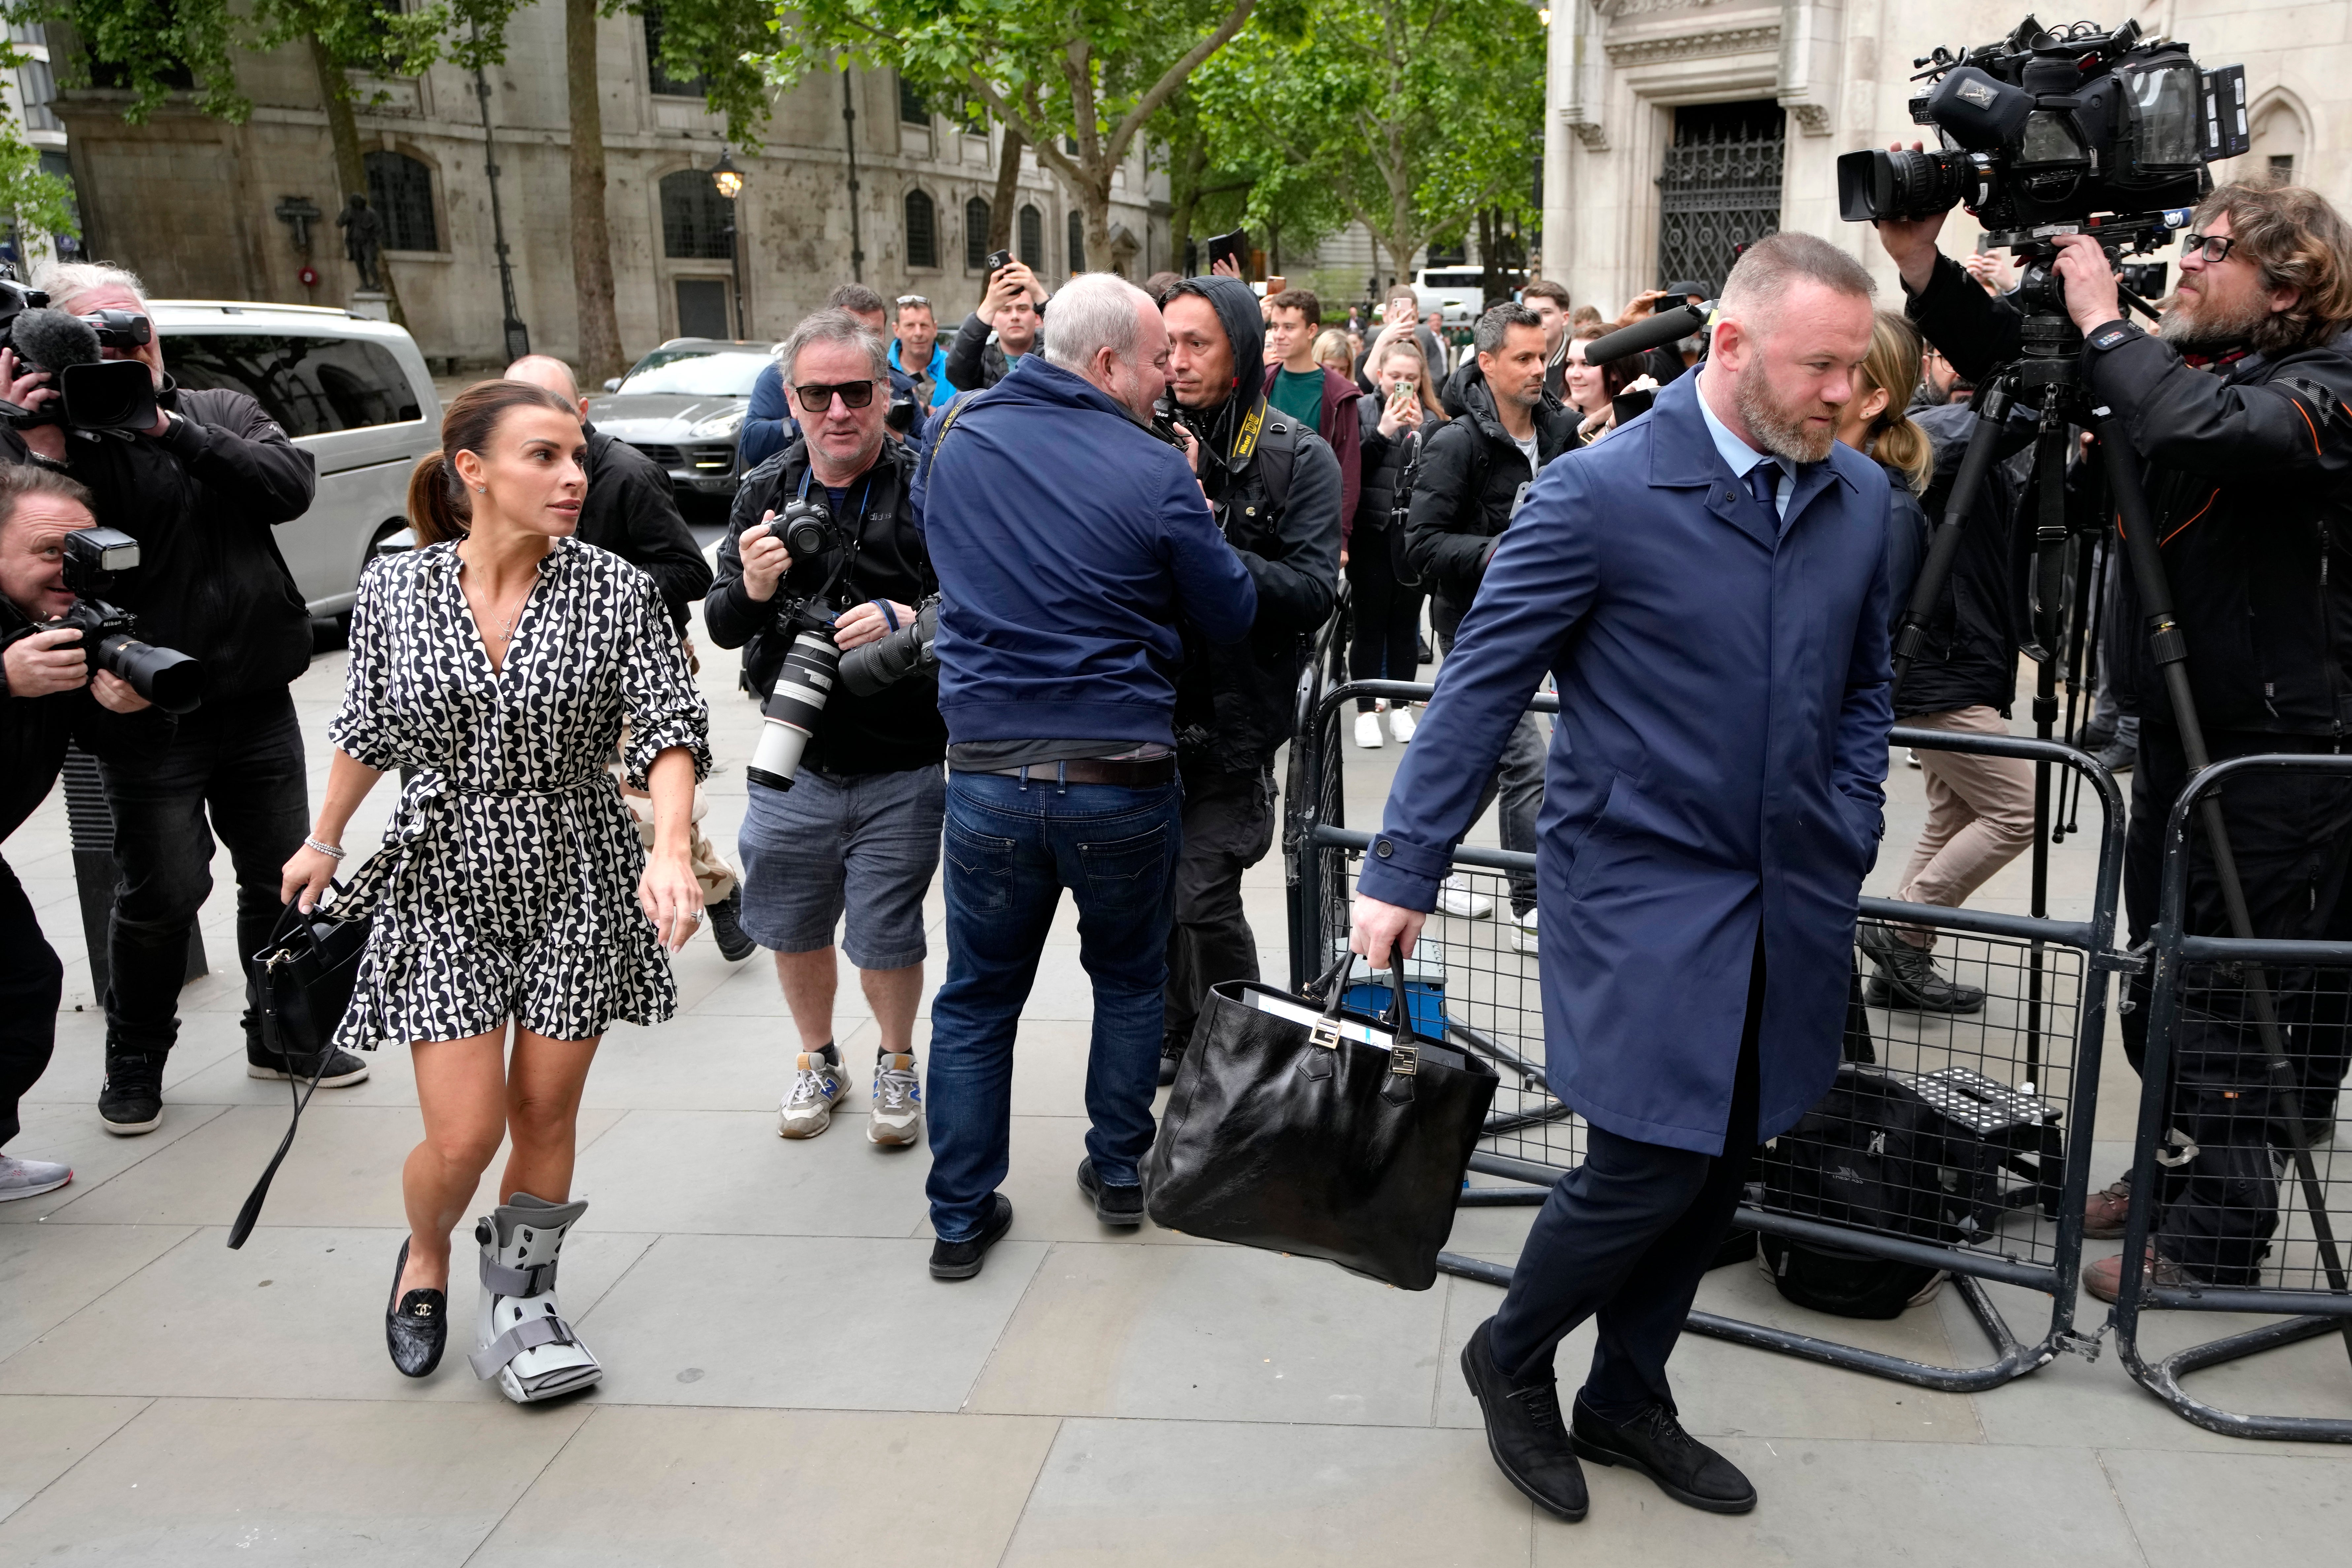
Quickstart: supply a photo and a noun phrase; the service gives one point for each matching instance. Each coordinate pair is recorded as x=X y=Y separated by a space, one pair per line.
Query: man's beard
x=1776 y=426
x=2205 y=328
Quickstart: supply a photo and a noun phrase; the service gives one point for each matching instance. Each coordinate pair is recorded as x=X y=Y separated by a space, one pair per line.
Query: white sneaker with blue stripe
x=897 y=1110
x=807 y=1111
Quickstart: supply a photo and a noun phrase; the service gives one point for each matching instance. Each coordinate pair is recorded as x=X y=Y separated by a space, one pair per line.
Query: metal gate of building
x=1719 y=189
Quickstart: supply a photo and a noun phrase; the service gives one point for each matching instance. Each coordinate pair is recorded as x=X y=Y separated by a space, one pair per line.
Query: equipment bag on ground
x=1331 y=1134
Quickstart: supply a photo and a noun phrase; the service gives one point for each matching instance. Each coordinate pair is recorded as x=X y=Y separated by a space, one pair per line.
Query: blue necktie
x=1764 y=484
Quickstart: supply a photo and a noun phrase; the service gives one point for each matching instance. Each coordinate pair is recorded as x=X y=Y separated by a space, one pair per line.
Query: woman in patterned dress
x=498 y=664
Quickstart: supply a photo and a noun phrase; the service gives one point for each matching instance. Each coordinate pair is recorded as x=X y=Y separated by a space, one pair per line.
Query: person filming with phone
x=1009 y=323
x=2239 y=408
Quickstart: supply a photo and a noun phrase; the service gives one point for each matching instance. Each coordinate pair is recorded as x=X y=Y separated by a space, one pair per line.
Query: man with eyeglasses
x=858 y=831
x=203 y=491
x=767 y=424
x=2237 y=405
x=916 y=353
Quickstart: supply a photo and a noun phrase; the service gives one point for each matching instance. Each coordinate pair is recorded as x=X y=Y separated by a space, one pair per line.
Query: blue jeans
x=1012 y=844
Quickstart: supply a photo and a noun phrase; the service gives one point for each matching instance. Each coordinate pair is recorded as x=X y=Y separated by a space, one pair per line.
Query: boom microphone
x=1666 y=327
x=96 y=394
x=52 y=340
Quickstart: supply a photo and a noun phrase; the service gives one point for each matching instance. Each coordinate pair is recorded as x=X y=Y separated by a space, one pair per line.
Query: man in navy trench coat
x=1709 y=588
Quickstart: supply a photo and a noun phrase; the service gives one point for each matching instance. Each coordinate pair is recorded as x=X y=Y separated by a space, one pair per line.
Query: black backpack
x=1872 y=1153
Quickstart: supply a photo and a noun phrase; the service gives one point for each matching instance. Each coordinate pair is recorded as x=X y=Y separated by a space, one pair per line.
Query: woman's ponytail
x=1893 y=367
x=1902 y=444
x=436 y=503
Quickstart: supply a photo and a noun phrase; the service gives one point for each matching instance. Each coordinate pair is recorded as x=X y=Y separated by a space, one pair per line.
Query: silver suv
x=683 y=405
x=353 y=393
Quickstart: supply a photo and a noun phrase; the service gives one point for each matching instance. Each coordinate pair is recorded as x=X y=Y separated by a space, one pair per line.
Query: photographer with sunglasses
x=2240 y=405
x=858 y=830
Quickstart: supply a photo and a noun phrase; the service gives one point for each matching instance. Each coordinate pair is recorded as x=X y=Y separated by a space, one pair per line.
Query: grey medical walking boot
x=522 y=1340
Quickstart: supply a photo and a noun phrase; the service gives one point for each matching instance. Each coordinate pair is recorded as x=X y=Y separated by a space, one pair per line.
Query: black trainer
x=2118 y=757
x=344 y=1068
x=961 y=1259
x=1907 y=978
x=1655 y=1443
x=1171 y=1057
x=727 y=927
x=2091 y=738
x=1524 y=1431
x=131 y=1101
x=1120 y=1205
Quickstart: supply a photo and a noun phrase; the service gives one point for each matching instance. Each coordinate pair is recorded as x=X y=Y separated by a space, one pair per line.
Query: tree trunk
x=1008 y=195
x=1094 y=199
x=351 y=171
x=1184 y=173
x=591 y=240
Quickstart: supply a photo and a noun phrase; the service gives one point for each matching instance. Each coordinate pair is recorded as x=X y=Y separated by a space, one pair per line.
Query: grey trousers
x=1518 y=778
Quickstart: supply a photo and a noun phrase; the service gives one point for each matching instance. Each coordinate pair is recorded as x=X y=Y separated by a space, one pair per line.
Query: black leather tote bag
x=302 y=987
x=1303 y=1136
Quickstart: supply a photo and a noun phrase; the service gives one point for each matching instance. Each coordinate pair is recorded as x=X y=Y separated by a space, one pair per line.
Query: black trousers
x=2292 y=834
x=1387 y=641
x=31 y=982
x=1625 y=1237
x=233 y=769
x=1228 y=828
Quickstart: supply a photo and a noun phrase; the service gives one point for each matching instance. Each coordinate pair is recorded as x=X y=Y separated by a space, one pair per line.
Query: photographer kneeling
x=858 y=828
x=201 y=491
x=49 y=698
x=2237 y=406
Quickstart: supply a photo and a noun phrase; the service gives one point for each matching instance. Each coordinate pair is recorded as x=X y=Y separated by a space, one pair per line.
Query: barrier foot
x=2162 y=1379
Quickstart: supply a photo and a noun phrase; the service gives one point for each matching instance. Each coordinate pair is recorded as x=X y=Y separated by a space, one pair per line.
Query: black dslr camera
x=94 y=559
x=812 y=662
x=2050 y=126
x=94 y=394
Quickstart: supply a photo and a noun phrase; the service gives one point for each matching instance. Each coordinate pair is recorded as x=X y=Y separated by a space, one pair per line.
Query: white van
x=1459 y=292
x=353 y=393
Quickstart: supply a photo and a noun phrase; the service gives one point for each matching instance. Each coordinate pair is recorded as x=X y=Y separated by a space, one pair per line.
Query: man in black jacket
x=1274 y=489
x=48 y=698
x=631 y=508
x=201 y=491
x=2238 y=408
x=1475 y=474
x=858 y=831
x=1010 y=322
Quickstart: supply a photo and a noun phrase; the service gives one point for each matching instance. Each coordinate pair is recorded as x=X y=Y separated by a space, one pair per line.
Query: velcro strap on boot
x=528 y=1334
x=535 y=1280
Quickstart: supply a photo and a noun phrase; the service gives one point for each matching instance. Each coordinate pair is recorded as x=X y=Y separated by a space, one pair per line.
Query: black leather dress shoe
x=1113 y=1205
x=1524 y=1431
x=961 y=1259
x=415 y=1326
x=1655 y=1443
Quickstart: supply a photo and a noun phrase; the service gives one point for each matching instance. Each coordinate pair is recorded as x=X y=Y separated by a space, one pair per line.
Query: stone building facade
x=199 y=207
x=1676 y=128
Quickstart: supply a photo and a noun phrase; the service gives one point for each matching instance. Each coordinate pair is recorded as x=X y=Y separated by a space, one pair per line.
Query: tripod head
x=2050 y=343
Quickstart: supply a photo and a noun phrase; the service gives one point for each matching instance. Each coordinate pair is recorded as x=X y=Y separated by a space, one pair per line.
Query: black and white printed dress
x=507 y=887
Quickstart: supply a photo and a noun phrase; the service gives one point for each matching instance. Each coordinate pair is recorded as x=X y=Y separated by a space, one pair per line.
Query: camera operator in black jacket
x=1474 y=473
x=858 y=831
x=202 y=492
x=1275 y=488
x=2237 y=408
x=49 y=699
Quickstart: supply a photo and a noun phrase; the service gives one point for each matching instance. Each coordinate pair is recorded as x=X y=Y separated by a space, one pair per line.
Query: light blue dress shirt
x=1741 y=456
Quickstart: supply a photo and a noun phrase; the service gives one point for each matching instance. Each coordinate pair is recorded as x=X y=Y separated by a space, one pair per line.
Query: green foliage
x=724 y=44
x=1409 y=115
x=34 y=200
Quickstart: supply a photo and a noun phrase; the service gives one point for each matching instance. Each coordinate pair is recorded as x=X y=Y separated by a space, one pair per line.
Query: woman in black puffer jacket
x=1387 y=612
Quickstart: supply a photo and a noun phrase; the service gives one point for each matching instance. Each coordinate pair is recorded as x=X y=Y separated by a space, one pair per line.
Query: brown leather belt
x=1096 y=771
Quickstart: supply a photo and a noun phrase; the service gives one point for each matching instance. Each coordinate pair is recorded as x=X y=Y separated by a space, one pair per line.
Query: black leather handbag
x=302 y=987
x=1299 y=1133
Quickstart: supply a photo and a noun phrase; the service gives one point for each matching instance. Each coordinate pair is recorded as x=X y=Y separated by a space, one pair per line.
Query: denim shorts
x=864 y=844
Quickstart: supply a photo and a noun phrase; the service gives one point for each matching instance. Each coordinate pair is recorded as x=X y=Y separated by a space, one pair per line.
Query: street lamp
x=728 y=179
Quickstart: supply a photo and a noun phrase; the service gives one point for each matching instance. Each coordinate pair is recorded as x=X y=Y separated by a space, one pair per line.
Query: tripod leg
x=1992 y=410
x=2050 y=577
x=2140 y=547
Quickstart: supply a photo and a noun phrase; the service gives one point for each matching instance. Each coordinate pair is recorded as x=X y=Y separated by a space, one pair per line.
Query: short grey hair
x=1093 y=311
x=1766 y=270
x=66 y=281
x=832 y=327
x=1495 y=325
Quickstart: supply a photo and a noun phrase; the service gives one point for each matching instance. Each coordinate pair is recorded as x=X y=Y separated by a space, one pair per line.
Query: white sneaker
x=807 y=1111
x=30 y=1178
x=1368 y=731
x=1523 y=932
x=1456 y=897
x=1401 y=723
x=896 y=1117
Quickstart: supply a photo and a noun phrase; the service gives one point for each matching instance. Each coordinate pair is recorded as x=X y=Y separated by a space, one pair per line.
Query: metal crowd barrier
x=2202 y=987
x=2023 y=1072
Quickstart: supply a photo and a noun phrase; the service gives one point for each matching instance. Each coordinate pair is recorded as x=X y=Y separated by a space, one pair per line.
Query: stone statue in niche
x=363 y=238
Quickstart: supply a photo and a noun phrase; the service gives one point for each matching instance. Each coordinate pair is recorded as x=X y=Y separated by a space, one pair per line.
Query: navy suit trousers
x=1625 y=1237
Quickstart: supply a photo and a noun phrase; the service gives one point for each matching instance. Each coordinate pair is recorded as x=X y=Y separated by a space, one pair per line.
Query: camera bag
x=1868 y=1155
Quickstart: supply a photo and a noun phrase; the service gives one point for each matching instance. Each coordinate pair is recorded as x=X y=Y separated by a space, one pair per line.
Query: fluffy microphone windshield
x=52 y=340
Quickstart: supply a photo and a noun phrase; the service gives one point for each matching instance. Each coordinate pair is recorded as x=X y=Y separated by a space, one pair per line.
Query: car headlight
x=719 y=425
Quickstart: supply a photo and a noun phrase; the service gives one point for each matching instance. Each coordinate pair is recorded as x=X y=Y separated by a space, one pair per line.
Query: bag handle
x=293 y=925
x=1404 y=1055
